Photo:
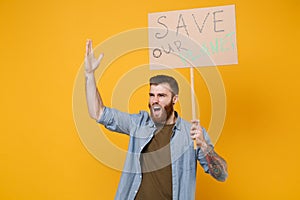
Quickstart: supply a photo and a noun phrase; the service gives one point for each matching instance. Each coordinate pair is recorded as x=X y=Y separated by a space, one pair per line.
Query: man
x=161 y=160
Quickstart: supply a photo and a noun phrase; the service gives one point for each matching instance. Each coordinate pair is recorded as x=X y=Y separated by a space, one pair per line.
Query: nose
x=155 y=99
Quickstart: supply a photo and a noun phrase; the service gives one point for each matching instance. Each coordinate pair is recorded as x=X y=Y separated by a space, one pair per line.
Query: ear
x=175 y=99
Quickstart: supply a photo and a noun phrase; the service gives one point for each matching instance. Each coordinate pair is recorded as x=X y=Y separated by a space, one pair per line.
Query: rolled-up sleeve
x=115 y=120
x=200 y=154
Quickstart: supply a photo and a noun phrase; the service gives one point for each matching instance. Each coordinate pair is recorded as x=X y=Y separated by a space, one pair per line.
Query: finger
x=100 y=56
x=87 y=47
x=194 y=127
x=195 y=121
x=99 y=59
x=91 y=46
x=194 y=134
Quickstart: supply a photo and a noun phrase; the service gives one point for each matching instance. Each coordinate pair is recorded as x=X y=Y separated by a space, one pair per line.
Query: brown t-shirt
x=156 y=167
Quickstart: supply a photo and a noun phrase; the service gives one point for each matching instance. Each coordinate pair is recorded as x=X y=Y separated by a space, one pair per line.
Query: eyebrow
x=160 y=94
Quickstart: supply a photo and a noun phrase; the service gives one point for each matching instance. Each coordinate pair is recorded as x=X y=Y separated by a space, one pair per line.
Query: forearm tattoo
x=217 y=166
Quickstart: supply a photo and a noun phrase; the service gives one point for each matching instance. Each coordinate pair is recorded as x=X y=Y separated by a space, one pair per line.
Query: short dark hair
x=158 y=79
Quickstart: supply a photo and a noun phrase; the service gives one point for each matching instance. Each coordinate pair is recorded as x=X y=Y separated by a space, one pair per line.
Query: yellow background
x=42 y=47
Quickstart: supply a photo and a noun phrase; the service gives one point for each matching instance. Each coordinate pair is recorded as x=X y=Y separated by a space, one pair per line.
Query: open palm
x=91 y=63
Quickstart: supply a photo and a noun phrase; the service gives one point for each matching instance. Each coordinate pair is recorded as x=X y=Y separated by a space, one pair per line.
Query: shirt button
x=140 y=176
x=135 y=191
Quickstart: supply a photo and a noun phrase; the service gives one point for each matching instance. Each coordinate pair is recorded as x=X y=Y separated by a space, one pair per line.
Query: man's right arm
x=93 y=98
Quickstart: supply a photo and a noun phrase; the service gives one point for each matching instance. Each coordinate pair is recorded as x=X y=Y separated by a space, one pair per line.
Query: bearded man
x=161 y=160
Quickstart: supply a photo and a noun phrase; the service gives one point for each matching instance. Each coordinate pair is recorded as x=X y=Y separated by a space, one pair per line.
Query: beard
x=161 y=114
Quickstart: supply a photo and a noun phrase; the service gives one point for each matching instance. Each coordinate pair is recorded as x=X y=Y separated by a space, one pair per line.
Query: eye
x=161 y=95
x=151 y=95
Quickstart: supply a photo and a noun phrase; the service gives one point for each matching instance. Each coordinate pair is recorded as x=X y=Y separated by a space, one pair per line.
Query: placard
x=192 y=38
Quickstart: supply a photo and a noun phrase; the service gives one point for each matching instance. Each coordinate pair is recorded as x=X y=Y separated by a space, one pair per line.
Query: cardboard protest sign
x=196 y=37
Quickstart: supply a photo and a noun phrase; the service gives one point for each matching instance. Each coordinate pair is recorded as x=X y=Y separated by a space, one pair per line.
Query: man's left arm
x=216 y=164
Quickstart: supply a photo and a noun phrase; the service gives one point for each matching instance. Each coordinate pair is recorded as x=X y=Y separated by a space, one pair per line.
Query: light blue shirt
x=141 y=129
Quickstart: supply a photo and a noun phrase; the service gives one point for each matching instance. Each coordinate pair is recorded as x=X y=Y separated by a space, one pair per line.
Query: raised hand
x=91 y=63
x=94 y=101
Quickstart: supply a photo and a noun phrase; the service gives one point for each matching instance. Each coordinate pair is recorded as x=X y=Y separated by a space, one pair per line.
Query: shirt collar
x=178 y=120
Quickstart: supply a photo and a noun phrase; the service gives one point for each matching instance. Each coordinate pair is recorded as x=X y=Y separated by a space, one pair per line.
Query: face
x=161 y=101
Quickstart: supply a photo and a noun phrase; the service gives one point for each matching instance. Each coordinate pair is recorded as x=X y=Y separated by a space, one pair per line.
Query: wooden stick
x=194 y=117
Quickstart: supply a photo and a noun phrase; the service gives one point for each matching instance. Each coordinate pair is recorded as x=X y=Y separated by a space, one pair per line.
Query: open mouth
x=156 y=108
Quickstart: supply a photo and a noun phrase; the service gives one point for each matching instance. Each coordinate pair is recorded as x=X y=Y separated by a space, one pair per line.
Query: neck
x=171 y=119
